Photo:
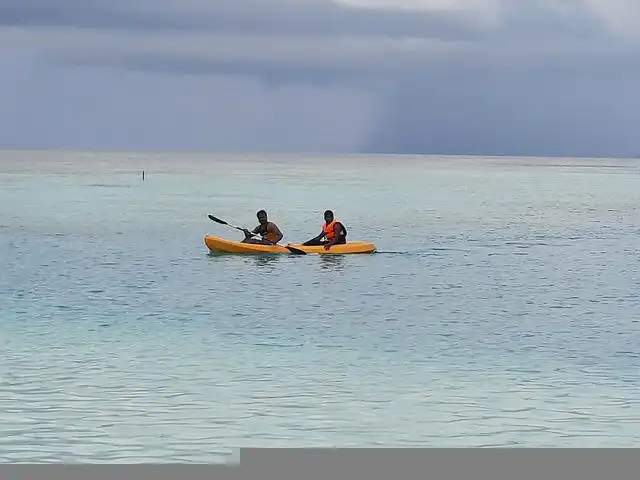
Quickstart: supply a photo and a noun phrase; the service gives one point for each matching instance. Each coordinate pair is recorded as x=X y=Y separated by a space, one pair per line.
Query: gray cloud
x=101 y=108
x=533 y=79
x=260 y=37
x=517 y=18
x=280 y=59
x=370 y=62
x=574 y=97
x=256 y=17
x=582 y=112
x=311 y=40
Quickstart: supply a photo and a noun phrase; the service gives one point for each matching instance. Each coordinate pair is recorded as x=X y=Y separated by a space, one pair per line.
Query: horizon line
x=289 y=153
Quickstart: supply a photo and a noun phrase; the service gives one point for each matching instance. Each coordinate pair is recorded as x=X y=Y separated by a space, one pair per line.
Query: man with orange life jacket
x=269 y=231
x=332 y=229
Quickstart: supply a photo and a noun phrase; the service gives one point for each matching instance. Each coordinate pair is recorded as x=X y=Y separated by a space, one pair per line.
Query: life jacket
x=330 y=230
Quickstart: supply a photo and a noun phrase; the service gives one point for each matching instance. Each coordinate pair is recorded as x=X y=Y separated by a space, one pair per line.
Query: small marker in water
x=143 y=174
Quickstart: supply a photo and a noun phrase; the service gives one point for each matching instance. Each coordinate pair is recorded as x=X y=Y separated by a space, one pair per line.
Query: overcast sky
x=519 y=77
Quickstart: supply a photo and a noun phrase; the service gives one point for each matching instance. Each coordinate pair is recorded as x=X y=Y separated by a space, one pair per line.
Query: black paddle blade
x=295 y=250
x=217 y=220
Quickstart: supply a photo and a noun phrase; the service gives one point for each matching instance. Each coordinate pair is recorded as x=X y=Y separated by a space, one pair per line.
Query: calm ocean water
x=503 y=307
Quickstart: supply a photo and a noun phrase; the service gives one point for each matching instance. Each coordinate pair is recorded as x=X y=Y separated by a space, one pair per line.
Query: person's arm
x=273 y=228
x=250 y=233
x=315 y=239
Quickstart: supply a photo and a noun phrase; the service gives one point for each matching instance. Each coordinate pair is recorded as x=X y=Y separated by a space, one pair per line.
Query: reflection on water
x=218 y=256
x=332 y=262
x=260 y=261
x=268 y=260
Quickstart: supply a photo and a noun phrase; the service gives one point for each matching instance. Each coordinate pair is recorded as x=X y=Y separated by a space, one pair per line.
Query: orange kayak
x=221 y=245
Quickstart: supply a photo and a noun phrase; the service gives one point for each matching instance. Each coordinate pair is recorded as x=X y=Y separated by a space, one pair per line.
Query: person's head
x=328 y=216
x=262 y=216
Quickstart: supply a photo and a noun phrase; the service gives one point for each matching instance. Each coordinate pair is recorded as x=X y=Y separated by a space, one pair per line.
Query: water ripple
x=509 y=318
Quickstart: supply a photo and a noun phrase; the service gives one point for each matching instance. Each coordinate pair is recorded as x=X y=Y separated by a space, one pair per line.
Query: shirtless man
x=269 y=231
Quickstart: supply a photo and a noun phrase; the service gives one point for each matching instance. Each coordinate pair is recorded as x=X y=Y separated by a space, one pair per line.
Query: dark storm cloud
x=279 y=39
x=534 y=79
x=265 y=17
x=280 y=60
x=574 y=112
x=572 y=96
x=270 y=72
x=297 y=40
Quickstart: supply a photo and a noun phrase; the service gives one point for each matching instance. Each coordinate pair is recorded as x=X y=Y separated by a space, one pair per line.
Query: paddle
x=294 y=250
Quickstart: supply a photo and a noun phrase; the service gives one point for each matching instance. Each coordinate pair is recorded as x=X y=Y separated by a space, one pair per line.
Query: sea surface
x=501 y=309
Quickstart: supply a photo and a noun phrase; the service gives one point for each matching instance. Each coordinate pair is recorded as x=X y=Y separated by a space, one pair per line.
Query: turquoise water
x=502 y=309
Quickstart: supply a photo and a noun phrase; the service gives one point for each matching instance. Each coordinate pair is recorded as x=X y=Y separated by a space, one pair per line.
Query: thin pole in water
x=143 y=174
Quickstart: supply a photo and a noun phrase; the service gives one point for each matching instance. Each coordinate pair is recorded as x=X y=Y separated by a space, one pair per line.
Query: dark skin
x=272 y=236
x=339 y=230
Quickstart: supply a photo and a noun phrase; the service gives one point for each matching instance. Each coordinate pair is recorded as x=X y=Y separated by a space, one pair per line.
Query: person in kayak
x=269 y=231
x=332 y=229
